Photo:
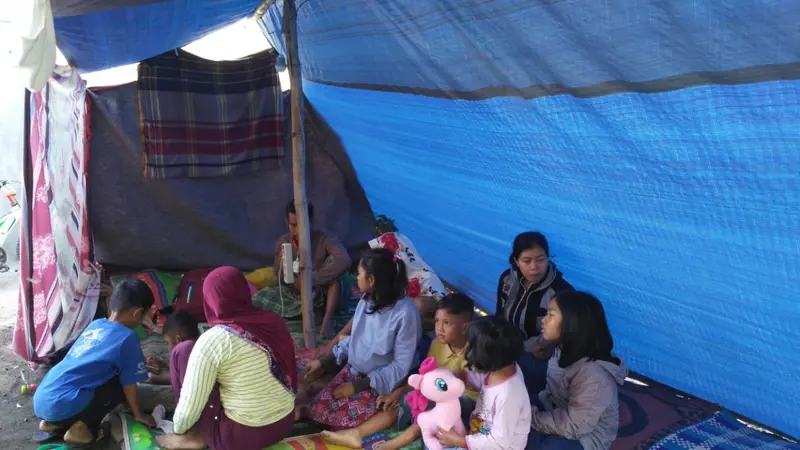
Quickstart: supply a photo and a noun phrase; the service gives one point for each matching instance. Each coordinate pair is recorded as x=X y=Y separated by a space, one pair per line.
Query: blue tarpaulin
x=116 y=37
x=655 y=143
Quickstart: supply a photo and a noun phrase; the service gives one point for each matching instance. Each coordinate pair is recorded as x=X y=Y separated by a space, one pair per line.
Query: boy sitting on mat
x=100 y=370
x=180 y=326
x=453 y=315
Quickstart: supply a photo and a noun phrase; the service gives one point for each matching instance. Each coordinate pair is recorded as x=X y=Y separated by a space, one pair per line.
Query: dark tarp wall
x=191 y=223
x=655 y=143
x=62 y=8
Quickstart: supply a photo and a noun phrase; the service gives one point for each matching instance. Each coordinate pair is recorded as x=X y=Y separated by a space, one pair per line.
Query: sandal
x=103 y=432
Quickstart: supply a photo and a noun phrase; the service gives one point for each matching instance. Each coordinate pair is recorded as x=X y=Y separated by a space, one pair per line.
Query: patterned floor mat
x=722 y=432
x=649 y=411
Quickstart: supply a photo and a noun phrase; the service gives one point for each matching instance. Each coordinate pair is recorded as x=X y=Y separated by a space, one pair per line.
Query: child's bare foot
x=188 y=441
x=346 y=438
x=79 y=433
x=48 y=427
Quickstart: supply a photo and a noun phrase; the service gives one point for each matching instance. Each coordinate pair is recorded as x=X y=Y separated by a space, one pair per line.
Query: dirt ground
x=17 y=422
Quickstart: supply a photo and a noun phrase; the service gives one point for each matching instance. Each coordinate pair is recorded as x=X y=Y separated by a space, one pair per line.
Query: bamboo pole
x=299 y=170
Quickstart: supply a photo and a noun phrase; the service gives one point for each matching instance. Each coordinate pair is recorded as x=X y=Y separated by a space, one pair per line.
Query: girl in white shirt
x=502 y=416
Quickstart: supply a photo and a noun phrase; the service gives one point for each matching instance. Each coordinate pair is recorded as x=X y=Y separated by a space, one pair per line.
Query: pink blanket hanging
x=59 y=287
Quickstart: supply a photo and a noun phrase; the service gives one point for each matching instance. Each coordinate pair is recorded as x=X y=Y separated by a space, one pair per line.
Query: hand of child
x=328 y=346
x=389 y=401
x=344 y=391
x=155 y=364
x=451 y=439
x=313 y=370
x=145 y=419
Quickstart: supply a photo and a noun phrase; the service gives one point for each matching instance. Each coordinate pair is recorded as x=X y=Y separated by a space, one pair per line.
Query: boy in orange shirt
x=453 y=315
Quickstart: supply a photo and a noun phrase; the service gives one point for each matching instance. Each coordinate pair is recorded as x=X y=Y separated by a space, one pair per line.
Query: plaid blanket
x=201 y=118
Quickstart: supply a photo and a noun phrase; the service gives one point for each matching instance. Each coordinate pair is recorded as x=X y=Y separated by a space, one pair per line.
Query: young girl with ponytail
x=379 y=352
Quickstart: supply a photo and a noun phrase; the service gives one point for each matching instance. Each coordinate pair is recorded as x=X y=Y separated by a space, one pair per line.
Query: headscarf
x=228 y=302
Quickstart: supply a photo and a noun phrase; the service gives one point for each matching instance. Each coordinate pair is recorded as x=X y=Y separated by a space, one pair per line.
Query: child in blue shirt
x=100 y=370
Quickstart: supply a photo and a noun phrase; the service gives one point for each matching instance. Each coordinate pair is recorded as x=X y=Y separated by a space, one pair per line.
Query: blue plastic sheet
x=655 y=143
x=117 y=37
x=468 y=45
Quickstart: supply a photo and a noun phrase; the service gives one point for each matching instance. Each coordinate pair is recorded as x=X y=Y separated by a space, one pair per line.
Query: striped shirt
x=250 y=394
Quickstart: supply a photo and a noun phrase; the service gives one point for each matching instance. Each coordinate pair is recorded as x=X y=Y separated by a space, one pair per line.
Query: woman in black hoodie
x=523 y=295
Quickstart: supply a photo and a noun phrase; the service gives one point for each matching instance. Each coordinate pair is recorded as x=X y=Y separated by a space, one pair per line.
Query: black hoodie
x=525 y=308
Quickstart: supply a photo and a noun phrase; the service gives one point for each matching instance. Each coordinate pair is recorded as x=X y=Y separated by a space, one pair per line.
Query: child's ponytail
x=389 y=273
x=401 y=279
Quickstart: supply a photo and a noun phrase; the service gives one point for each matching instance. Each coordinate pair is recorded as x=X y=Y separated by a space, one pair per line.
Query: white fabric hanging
x=33 y=22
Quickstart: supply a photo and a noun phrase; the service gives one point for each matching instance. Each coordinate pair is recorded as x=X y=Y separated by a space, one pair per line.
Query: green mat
x=164 y=286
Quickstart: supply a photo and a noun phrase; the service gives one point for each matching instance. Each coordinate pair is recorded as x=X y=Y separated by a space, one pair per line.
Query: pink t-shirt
x=502 y=416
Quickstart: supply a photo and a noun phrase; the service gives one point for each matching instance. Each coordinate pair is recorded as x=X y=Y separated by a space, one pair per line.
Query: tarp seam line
x=755 y=74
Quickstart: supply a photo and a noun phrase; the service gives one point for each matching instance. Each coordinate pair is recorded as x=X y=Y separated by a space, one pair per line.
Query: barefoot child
x=453 y=315
x=379 y=352
x=100 y=370
x=179 y=327
x=502 y=416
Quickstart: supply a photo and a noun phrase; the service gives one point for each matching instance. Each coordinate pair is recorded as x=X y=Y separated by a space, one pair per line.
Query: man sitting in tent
x=329 y=260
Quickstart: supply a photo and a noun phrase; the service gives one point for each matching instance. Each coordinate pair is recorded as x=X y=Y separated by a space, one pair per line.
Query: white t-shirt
x=502 y=416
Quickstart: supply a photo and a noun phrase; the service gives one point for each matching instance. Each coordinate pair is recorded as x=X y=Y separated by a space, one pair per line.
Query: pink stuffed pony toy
x=441 y=386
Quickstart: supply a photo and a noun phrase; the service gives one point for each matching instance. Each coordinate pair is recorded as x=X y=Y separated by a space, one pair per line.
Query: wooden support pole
x=299 y=170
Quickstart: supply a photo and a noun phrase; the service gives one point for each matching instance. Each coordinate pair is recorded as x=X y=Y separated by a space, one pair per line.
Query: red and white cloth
x=422 y=280
x=59 y=287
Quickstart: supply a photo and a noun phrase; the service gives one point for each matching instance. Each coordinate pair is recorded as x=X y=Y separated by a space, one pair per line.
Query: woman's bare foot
x=48 y=427
x=79 y=433
x=346 y=438
x=189 y=441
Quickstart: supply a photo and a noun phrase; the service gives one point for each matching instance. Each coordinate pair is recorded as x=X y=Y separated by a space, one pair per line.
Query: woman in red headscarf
x=236 y=385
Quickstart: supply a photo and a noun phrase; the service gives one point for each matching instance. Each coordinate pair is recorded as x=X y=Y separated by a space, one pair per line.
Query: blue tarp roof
x=63 y=8
x=655 y=143
x=116 y=37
